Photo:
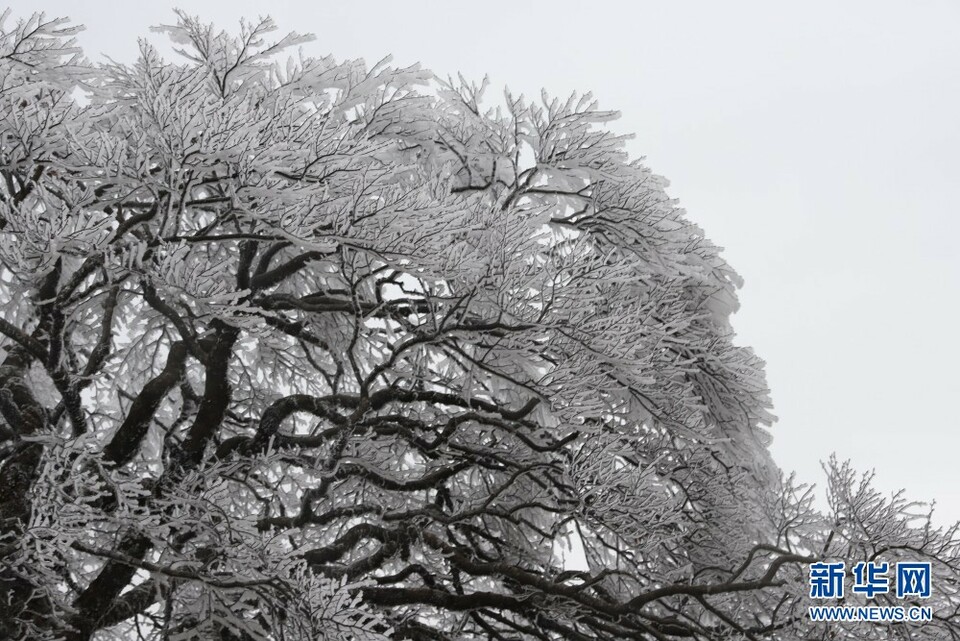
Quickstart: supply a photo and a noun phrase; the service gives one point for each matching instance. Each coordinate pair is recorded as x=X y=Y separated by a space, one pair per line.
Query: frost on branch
x=293 y=348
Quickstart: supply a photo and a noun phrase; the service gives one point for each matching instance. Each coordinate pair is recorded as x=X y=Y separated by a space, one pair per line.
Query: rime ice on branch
x=292 y=349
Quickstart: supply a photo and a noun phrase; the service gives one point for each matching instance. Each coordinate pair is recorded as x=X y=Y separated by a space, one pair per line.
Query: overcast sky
x=818 y=142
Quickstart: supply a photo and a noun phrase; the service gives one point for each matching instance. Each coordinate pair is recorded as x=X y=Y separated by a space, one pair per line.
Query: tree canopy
x=293 y=348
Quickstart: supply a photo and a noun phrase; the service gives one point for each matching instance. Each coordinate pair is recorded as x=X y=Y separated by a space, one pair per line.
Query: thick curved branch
x=127 y=439
x=215 y=400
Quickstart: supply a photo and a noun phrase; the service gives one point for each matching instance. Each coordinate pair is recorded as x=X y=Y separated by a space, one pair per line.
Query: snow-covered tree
x=293 y=348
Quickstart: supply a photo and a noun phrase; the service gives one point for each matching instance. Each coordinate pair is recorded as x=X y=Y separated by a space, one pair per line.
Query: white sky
x=819 y=142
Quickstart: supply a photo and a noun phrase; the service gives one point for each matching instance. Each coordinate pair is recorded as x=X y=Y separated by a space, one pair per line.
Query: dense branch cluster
x=301 y=349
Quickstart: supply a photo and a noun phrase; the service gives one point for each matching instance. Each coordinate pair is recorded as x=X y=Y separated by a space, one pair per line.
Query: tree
x=301 y=349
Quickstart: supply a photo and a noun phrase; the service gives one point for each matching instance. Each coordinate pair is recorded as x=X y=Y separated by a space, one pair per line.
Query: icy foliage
x=293 y=348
